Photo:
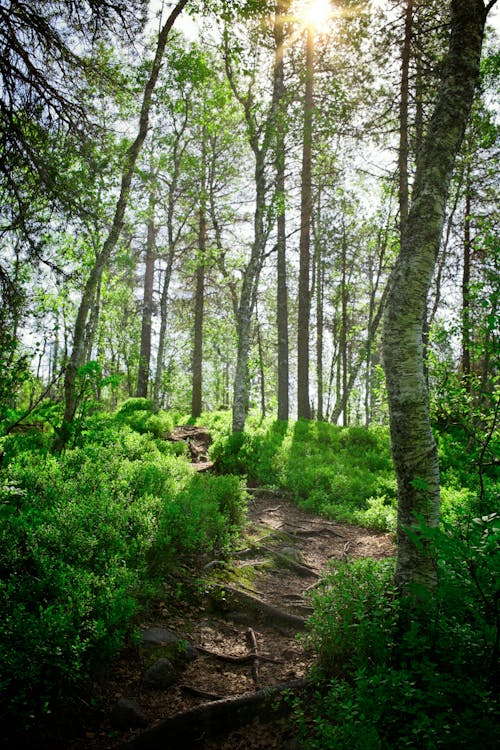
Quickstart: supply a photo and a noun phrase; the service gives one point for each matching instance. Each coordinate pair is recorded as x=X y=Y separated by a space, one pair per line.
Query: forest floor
x=236 y=608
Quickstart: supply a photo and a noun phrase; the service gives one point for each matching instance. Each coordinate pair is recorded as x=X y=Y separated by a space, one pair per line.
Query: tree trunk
x=109 y=244
x=196 y=393
x=261 y=366
x=304 y=311
x=413 y=446
x=466 y=320
x=252 y=270
x=320 y=290
x=147 y=301
x=281 y=291
x=403 y=119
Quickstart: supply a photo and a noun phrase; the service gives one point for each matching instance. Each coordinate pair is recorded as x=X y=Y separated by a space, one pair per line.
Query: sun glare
x=315 y=14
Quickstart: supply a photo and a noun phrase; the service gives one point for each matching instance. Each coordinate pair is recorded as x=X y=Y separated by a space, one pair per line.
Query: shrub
x=343 y=473
x=203 y=519
x=390 y=674
x=82 y=535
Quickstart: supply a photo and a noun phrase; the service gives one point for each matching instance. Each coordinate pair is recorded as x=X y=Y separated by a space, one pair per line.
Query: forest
x=250 y=374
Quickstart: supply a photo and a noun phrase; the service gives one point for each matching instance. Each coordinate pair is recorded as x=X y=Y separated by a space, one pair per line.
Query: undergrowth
x=390 y=674
x=84 y=536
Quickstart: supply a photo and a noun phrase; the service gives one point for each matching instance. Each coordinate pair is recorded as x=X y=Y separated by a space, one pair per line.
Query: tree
x=259 y=129
x=147 y=301
x=413 y=445
x=281 y=284
x=111 y=240
x=303 y=404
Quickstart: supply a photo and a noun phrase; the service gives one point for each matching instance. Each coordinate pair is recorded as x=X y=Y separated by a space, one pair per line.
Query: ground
x=284 y=552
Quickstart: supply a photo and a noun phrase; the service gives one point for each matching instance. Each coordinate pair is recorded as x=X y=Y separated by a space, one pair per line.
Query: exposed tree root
x=299 y=568
x=234 y=599
x=237 y=659
x=195 y=727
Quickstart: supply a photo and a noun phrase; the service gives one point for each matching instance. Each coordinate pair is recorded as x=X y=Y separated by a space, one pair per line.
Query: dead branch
x=201 y=693
x=252 y=640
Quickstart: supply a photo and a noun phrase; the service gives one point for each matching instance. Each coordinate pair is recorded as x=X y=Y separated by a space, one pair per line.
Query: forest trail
x=243 y=625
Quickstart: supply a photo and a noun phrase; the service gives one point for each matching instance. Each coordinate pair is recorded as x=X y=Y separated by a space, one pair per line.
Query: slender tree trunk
x=253 y=268
x=304 y=312
x=196 y=394
x=282 y=291
x=172 y=239
x=403 y=119
x=147 y=300
x=413 y=446
x=162 y=335
x=320 y=290
x=343 y=382
x=369 y=346
x=466 y=274
x=111 y=240
x=261 y=367
x=247 y=298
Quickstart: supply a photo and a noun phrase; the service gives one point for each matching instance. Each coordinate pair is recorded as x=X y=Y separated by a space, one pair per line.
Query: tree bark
x=304 y=311
x=111 y=240
x=466 y=271
x=251 y=273
x=281 y=291
x=147 y=300
x=197 y=384
x=403 y=119
x=413 y=446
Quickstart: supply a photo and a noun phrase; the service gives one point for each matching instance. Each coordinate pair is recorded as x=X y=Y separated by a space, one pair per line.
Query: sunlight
x=314 y=14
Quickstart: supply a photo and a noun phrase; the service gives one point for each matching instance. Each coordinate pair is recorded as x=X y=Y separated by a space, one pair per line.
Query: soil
x=285 y=550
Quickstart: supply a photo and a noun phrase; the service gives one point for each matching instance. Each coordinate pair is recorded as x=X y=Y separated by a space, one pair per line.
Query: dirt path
x=241 y=645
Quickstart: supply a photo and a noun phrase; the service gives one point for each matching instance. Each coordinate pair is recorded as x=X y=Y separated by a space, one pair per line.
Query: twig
x=272 y=510
x=201 y=693
x=255 y=663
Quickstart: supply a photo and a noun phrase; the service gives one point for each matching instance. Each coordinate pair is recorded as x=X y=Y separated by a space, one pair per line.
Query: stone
x=292 y=553
x=127 y=714
x=161 y=674
x=177 y=647
x=159 y=637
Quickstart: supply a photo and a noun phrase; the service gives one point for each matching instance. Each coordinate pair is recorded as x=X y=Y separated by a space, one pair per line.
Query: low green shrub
x=390 y=674
x=82 y=535
x=343 y=473
x=202 y=519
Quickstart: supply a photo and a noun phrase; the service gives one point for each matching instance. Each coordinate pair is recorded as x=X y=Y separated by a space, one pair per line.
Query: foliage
x=391 y=675
x=342 y=473
x=81 y=536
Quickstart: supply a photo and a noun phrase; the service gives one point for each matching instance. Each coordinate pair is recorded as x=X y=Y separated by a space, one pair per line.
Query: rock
x=160 y=675
x=159 y=637
x=292 y=553
x=177 y=647
x=127 y=714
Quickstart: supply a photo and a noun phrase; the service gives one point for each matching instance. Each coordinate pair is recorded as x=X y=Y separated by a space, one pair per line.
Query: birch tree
x=413 y=445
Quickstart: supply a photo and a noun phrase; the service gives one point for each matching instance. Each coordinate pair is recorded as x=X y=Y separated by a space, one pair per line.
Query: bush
x=82 y=535
x=342 y=473
x=203 y=519
x=390 y=674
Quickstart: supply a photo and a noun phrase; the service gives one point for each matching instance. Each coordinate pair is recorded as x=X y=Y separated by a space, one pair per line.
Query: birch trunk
x=197 y=383
x=248 y=296
x=413 y=446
